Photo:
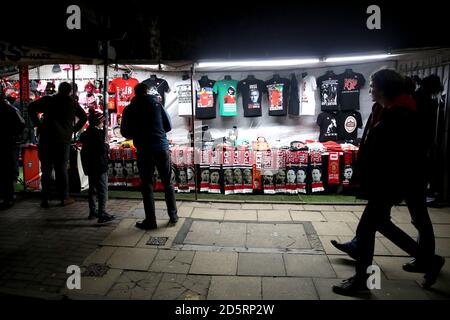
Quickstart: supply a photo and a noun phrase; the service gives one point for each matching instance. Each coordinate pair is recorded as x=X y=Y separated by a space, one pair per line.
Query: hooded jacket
x=146 y=122
x=388 y=163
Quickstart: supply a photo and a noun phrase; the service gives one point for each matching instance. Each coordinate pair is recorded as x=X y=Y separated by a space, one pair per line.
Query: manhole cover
x=95 y=270
x=157 y=241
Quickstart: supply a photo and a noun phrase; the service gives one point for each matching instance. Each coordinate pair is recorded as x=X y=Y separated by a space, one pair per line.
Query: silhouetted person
x=425 y=260
x=146 y=122
x=55 y=132
x=94 y=157
x=11 y=126
x=395 y=135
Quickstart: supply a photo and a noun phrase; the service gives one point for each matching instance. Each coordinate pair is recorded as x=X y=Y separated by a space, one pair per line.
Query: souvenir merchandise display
x=227 y=93
x=252 y=91
x=157 y=87
x=278 y=95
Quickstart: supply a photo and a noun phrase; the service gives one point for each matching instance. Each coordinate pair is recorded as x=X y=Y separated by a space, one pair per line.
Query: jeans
x=147 y=160
x=377 y=217
x=98 y=189
x=54 y=156
x=8 y=162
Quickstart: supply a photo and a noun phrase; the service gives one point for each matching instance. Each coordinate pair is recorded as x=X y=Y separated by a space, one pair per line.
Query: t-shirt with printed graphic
x=308 y=87
x=184 y=93
x=329 y=85
x=205 y=107
x=348 y=123
x=351 y=83
x=328 y=126
x=227 y=96
x=278 y=93
x=252 y=90
x=123 y=90
x=157 y=87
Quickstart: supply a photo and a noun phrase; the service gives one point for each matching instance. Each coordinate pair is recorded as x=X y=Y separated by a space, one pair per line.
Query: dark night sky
x=237 y=29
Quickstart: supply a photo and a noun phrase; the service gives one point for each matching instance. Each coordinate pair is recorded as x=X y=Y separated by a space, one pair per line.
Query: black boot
x=146 y=225
x=433 y=271
x=347 y=247
x=351 y=286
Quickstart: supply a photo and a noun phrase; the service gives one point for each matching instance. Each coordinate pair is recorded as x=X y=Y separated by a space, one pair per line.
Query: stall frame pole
x=193 y=97
x=105 y=88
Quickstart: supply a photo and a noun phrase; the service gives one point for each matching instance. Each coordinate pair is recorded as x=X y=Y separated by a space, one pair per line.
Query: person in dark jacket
x=94 y=158
x=146 y=122
x=55 y=136
x=11 y=126
x=393 y=137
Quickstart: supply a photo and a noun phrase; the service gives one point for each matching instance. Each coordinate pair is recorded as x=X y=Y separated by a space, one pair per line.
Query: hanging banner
x=24 y=84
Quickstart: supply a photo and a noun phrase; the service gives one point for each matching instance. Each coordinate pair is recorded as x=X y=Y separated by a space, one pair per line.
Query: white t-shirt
x=308 y=86
x=184 y=96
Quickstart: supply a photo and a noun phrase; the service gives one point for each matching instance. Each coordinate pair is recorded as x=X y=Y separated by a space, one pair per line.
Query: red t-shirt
x=124 y=90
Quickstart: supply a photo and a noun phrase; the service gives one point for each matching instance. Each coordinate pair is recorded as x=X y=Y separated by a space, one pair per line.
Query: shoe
x=45 y=204
x=347 y=247
x=414 y=266
x=93 y=215
x=173 y=219
x=351 y=286
x=144 y=225
x=105 y=217
x=432 y=274
x=6 y=204
x=67 y=201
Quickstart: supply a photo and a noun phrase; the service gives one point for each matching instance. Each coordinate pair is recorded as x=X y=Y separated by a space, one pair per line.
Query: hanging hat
x=56 y=68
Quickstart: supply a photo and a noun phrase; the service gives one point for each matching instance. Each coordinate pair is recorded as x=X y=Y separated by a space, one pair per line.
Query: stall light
x=360 y=58
x=257 y=63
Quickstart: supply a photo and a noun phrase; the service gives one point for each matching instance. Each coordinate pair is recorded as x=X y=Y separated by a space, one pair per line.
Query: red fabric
x=332 y=146
x=124 y=91
x=404 y=101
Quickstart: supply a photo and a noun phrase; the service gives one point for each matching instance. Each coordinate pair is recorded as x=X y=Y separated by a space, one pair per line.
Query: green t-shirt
x=227 y=97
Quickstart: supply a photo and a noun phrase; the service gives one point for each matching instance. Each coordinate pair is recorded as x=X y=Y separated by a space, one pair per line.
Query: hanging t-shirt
x=227 y=97
x=351 y=83
x=294 y=98
x=329 y=85
x=252 y=91
x=124 y=91
x=278 y=92
x=348 y=124
x=308 y=100
x=205 y=108
x=184 y=92
x=328 y=127
x=157 y=87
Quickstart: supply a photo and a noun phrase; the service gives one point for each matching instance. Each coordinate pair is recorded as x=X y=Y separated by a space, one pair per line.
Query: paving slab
x=135 y=285
x=313 y=207
x=97 y=285
x=443 y=247
x=280 y=236
x=235 y=288
x=323 y=287
x=392 y=268
x=274 y=215
x=227 y=206
x=355 y=208
x=185 y=212
x=240 y=215
x=307 y=216
x=257 y=206
x=343 y=266
x=196 y=204
x=100 y=255
x=282 y=288
x=344 y=216
x=297 y=207
x=208 y=213
x=261 y=264
x=125 y=235
x=302 y=265
x=214 y=263
x=332 y=229
x=172 y=261
x=132 y=258
x=182 y=287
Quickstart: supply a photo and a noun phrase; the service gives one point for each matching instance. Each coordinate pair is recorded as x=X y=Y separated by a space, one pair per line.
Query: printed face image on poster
x=290 y=176
x=237 y=176
x=301 y=176
x=254 y=97
x=190 y=174
x=280 y=177
x=215 y=177
x=329 y=92
x=275 y=96
x=205 y=176
x=248 y=176
x=268 y=178
x=182 y=177
x=348 y=173
x=230 y=97
x=316 y=175
x=228 y=174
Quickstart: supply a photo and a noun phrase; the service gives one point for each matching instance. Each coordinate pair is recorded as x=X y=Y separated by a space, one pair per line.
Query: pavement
x=230 y=251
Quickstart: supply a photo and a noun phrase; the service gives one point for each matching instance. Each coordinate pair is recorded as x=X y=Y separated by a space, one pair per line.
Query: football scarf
x=316 y=172
x=333 y=168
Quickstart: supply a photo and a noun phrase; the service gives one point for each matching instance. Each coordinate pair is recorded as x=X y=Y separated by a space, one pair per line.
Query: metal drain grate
x=95 y=270
x=157 y=241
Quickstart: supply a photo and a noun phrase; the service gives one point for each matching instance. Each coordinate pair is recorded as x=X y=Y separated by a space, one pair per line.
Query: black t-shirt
x=294 y=99
x=329 y=85
x=252 y=90
x=328 y=127
x=350 y=83
x=157 y=88
x=205 y=107
x=278 y=92
x=348 y=123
